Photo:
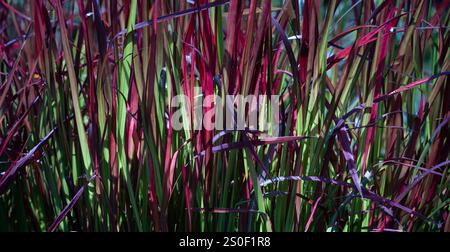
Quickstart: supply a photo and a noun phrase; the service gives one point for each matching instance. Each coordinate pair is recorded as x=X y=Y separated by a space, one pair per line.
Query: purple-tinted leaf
x=69 y=207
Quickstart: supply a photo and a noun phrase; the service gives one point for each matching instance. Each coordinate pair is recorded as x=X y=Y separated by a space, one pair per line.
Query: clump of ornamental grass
x=86 y=136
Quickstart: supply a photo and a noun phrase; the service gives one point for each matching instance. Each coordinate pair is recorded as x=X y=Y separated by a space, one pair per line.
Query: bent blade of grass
x=69 y=207
x=18 y=165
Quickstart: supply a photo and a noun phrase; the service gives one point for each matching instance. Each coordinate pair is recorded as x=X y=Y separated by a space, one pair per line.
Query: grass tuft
x=87 y=141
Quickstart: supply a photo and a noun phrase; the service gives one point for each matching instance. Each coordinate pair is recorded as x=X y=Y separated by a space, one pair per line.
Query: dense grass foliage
x=86 y=142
